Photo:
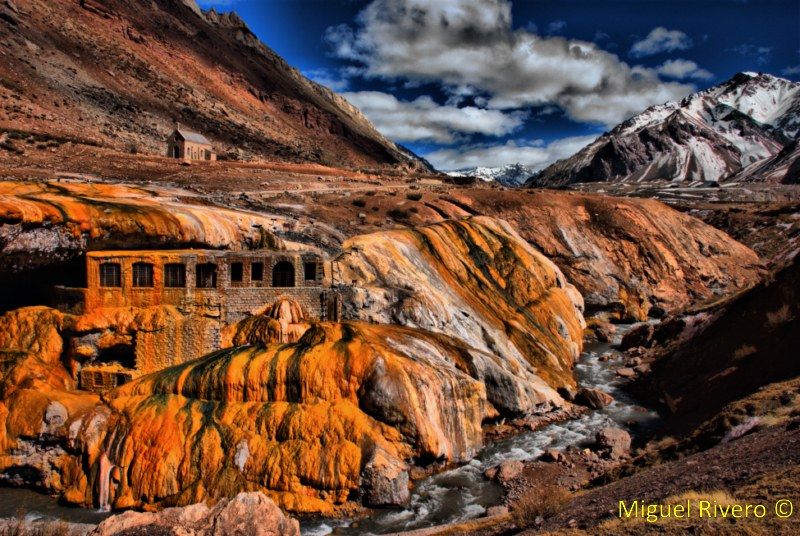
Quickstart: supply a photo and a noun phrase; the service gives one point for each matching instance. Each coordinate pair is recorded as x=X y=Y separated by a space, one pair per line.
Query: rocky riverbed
x=465 y=492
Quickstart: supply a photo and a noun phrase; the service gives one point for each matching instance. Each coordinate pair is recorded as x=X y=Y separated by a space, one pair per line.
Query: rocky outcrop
x=44 y=223
x=729 y=351
x=253 y=514
x=343 y=413
x=475 y=280
x=627 y=255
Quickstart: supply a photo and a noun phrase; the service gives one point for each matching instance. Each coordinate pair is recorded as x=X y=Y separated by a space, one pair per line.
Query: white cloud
x=532 y=153
x=470 y=48
x=660 y=40
x=424 y=119
x=683 y=69
x=789 y=71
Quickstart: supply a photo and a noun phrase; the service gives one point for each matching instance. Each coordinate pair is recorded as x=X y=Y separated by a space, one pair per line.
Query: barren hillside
x=122 y=73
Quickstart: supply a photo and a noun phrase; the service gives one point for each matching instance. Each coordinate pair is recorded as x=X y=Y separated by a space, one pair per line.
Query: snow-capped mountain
x=508 y=175
x=712 y=135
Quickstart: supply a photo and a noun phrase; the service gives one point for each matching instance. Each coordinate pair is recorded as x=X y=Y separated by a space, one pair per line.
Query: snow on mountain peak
x=508 y=175
x=709 y=135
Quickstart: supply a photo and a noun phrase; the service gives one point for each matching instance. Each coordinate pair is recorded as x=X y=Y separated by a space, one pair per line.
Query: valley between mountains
x=319 y=333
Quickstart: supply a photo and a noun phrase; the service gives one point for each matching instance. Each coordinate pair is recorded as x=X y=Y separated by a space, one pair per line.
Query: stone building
x=197 y=294
x=188 y=146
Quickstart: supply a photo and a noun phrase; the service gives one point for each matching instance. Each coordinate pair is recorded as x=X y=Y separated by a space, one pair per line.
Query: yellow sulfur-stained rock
x=478 y=281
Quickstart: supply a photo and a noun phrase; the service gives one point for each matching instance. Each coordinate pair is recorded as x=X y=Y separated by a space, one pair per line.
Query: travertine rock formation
x=478 y=281
x=341 y=413
x=283 y=321
x=625 y=255
x=43 y=223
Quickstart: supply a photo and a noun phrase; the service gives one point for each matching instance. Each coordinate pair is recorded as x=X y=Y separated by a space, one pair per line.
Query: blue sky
x=489 y=82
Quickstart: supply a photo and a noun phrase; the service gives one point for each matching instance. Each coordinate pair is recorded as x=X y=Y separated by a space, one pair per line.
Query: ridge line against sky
x=465 y=83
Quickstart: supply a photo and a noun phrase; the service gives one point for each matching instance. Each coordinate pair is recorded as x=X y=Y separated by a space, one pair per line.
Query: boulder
x=593 y=398
x=251 y=513
x=553 y=455
x=614 y=443
x=493 y=511
x=509 y=470
x=385 y=480
x=626 y=372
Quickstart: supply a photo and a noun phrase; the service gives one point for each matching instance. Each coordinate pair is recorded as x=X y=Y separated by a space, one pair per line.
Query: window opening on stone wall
x=257 y=271
x=283 y=274
x=142 y=274
x=110 y=275
x=206 y=275
x=237 y=272
x=175 y=275
x=310 y=271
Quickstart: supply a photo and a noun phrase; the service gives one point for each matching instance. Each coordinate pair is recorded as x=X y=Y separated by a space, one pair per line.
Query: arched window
x=283 y=274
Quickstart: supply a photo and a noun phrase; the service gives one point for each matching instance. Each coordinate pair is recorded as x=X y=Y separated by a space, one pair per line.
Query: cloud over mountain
x=423 y=119
x=534 y=154
x=470 y=47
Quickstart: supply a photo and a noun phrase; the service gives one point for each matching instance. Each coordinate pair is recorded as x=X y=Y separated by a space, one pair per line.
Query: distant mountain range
x=508 y=175
x=741 y=130
x=121 y=74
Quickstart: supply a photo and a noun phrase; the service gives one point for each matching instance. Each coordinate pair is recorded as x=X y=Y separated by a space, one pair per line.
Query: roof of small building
x=194 y=137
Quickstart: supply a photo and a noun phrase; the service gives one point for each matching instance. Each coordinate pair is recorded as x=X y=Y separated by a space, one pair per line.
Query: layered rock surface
x=624 y=255
x=478 y=281
x=43 y=223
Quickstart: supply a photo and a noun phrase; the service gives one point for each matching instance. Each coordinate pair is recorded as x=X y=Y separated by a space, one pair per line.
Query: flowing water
x=463 y=493
x=451 y=496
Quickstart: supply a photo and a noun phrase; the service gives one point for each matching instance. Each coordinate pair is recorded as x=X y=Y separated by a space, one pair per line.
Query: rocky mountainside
x=508 y=175
x=122 y=73
x=712 y=135
x=728 y=352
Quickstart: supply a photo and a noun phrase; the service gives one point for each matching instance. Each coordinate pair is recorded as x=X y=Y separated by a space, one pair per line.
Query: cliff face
x=476 y=280
x=121 y=73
